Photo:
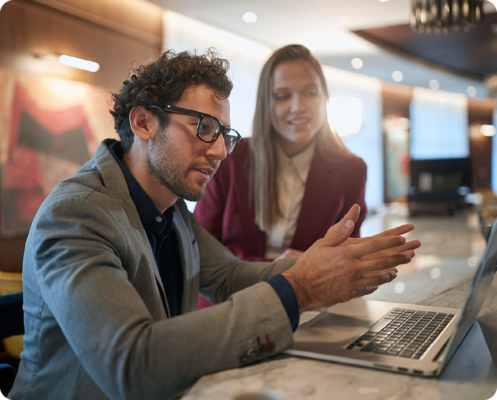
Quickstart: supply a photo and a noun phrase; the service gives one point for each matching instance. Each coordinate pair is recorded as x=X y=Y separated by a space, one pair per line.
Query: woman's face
x=298 y=104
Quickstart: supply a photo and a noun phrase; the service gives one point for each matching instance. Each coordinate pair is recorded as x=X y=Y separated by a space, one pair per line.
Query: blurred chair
x=11 y=324
x=438 y=186
x=11 y=282
x=11 y=315
x=7 y=378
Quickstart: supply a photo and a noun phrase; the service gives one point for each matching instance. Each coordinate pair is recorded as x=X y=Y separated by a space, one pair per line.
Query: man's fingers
x=342 y=230
x=409 y=253
x=410 y=245
x=385 y=263
x=377 y=280
x=406 y=248
x=376 y=245
x=363 y=291
x=385 y=271
x=399 y=230
x=353 y=213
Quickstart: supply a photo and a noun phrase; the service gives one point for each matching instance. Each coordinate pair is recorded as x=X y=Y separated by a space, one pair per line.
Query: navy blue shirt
x=164 y=244
x=160 y=233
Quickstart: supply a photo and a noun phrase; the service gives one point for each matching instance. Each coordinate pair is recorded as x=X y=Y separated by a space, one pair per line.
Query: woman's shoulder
x=356 y=163
x=354 y=168
x=353 y=163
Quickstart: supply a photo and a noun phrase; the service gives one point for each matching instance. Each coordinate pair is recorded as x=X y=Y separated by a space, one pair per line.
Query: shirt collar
x=300 y=163
x=150 y=215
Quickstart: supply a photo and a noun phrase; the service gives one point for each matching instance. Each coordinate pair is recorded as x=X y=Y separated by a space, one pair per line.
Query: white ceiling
x=324 y=26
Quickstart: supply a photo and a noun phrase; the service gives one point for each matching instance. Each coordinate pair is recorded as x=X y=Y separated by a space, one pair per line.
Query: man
x=114 y=261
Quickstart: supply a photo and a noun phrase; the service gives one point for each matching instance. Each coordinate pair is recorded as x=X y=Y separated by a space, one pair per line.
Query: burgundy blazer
x=228 y=213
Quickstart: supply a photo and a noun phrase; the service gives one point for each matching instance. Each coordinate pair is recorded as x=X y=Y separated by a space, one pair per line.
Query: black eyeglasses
x=208 y=128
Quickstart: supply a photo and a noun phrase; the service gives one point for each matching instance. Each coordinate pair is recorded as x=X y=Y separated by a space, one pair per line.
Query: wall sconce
x=487 y=130
x=345 y=115
x=69 y=61
x=79 y=63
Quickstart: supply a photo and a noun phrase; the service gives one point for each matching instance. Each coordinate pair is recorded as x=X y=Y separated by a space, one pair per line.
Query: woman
x=285 y=186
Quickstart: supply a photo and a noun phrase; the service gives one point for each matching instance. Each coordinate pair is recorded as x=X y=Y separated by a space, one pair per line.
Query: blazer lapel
x=115 y=182
x=144 y=246
x=189 y=260
x=256 y=237
x=319 y=197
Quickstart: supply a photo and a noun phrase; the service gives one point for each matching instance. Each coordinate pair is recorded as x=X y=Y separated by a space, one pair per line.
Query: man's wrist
x=302 y=298
x=288 y=298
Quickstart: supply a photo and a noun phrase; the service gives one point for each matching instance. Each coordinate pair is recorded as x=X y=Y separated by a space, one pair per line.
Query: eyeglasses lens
x=230 y=142
x=208 y=128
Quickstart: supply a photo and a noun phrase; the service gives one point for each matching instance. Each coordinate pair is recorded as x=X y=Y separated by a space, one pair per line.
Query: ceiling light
x=2 y=2
x=434 y=85
x=442 y=15
x=397 y=76
x=357 y=63
x=79 y=63
x=487 y=130
x=383 y=1
x=249 y=17
x=471 y=91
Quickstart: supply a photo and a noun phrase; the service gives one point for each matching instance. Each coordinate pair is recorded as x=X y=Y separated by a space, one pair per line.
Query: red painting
x=50 y=135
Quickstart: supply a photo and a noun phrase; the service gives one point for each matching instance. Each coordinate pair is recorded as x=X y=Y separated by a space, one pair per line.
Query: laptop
x=404 y=338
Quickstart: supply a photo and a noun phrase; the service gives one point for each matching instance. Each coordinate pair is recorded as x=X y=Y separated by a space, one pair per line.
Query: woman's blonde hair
x=263 y=165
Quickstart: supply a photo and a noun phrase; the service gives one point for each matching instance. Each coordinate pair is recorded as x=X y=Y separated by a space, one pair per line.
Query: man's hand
x=407 y=248
x=335 y=232
x=338 y=268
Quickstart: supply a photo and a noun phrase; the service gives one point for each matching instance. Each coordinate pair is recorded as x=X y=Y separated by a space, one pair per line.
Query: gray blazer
x=95 y=311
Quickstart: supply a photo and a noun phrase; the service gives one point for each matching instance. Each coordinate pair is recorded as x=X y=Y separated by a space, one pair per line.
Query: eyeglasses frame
x=184 y=111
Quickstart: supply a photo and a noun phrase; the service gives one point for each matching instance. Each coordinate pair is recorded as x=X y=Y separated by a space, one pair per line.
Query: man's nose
x=217 y=149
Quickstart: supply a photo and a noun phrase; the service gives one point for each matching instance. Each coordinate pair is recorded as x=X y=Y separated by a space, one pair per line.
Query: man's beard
x=165 y=164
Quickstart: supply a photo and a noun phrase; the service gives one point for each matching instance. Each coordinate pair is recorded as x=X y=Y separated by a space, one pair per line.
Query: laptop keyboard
x=403 y=333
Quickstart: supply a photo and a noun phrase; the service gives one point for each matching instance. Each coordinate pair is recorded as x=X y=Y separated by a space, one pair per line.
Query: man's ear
x=142 y=123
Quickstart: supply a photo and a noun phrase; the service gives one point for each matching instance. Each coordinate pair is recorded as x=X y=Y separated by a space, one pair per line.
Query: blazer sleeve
x=222 y=274
x=79 y=257
x=245 y=255
x=357 y=175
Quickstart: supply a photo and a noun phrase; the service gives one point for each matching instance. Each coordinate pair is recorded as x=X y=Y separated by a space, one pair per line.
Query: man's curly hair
x=163 y=82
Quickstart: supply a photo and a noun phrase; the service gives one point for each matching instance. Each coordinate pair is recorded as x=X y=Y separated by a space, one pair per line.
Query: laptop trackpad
x=332 y=328
x=341 y=323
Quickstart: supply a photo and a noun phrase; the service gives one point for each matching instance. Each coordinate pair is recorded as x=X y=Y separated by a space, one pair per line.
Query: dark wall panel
x=480 y=147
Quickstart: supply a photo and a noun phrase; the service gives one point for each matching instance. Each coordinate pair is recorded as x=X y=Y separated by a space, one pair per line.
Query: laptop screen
x=475 y=297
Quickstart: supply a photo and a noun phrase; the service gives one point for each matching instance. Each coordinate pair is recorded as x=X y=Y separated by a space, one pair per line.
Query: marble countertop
x=439 y=276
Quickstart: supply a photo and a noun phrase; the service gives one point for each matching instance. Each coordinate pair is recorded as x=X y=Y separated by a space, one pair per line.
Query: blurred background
x=419 y=108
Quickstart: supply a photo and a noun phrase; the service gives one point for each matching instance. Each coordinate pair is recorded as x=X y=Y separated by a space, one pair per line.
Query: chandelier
x=443 y=15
